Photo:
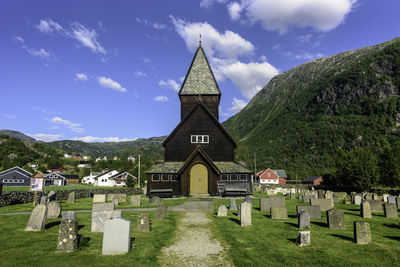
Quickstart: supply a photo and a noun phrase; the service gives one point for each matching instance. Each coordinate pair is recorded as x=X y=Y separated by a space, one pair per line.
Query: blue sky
x=110 y=70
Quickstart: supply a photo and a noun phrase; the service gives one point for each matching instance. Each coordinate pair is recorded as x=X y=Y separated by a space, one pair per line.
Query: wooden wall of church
x=211 y=102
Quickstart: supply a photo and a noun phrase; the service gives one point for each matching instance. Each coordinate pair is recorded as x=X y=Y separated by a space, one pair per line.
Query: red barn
x=314 y=180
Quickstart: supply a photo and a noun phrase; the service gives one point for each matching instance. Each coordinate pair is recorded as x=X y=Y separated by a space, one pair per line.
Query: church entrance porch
x=199 y=181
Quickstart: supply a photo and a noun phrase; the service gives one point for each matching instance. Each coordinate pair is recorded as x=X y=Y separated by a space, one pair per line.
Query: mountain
x=18 y=135
x=301 y=117
x=110 y=148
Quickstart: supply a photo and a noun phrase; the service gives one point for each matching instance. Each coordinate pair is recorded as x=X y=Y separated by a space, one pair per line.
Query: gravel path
x=194 y=245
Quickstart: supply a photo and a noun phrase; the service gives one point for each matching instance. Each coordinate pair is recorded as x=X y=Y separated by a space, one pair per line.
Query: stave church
x=199 y=152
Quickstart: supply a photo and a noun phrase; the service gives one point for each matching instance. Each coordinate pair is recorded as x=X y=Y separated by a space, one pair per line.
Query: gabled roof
x=18 y=169
x=311 y=178
x=231 y=167
x=281 y=173
x=121 y=173
x=195 y=107
x=62 y=175
x=199 y=151
x=200 y=79
x=166 y=167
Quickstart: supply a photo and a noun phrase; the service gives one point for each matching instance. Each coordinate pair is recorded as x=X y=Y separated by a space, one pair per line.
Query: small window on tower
x=194 y=139
x=205 y=139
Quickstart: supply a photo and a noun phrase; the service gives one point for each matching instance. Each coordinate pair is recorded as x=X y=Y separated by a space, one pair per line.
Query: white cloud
x=146 y=60
x=19 y=39
x=81 y=77
x=234 y=10
x=228 y=45
x=101 y=139
x=170 y=83
x=87 y=37
x=45 y=137
x=221 y=112
x=75 y=127
x=305 y=38
x=249 y=78
x=49 y=26
x=237 y=105
x=109 y=83
x=281 y=15
x=263 y=58
x=37 y=53
x=139 y=74
x=303 y=55
x=161 y=98
x=276 y=47
x=8 y=116
x=159 y=26
x=209 y=3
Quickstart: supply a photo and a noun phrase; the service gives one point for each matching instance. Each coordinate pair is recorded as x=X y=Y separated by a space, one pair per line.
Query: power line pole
x=255 y=167
x=139 y=172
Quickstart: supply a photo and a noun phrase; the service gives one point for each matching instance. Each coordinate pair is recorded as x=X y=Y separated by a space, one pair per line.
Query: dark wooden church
x=199 y=153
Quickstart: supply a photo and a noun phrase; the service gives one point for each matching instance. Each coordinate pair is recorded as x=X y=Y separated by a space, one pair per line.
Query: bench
x=235 y=191
x=167 y=192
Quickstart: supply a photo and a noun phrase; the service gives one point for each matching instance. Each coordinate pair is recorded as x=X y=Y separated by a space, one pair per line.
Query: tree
x=390 y=165
x=130 y=182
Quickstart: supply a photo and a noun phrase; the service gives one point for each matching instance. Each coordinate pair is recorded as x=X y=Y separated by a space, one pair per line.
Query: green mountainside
x=18 y=135
x=303 y=116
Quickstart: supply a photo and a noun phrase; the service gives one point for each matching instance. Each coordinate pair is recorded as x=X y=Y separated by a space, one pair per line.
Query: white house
x=112 y=178
x=67 y=156
x=90 y=178
x=83 y=164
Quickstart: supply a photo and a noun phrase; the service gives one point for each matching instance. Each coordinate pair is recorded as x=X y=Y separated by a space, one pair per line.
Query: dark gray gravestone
x=232 y=204
x=391 y=211
x=362 y=233
x=68 y=215
x=335 y=219
x=67 y=236
x=391 y=199
x=304 y=219
x=52 y=196
x=376 y=205
x=267 y=203
x=324 y=204
x=365 y=210
x=315 y=211
x=161 y=213
x=143 y=223
x=279 y=213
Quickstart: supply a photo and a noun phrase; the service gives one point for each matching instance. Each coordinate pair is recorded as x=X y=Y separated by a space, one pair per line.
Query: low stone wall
x=21 y=197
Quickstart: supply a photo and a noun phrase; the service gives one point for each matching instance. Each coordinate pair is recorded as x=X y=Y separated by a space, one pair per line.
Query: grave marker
x=116 y=237
x=335 y=219
x=37 y=220
x=362 y=233
x=222 y=211
x=143 y=223
x=67 y=236
x=245 y=214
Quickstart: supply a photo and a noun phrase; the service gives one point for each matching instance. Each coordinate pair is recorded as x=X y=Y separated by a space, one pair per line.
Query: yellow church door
x=199 y=181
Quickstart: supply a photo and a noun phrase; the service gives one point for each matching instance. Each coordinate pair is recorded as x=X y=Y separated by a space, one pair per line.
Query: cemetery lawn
x=20 y=248
x=86 y=204
x=273 y=242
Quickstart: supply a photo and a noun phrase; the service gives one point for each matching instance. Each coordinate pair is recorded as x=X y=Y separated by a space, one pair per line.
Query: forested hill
x=303 y=116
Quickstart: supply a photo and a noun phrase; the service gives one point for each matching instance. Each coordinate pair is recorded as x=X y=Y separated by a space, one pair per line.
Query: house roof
x=116 y=176
x=231 y=167
x=199 y=79
x=62 y=175
x=203 y=154
x=280 y=173
x=311 y=178
x=18 y=169
x=195 y=107
x=166 y=167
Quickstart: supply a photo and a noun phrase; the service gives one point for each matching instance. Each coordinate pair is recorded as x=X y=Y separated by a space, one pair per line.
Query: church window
x=156 y=177
x=174 y=177
x=199 y=139
x=165 y=177
x=224 y=177
x=234 y=177
x=243 y=177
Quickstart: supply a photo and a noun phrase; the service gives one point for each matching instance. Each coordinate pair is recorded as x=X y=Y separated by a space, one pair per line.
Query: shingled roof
x=200 y=79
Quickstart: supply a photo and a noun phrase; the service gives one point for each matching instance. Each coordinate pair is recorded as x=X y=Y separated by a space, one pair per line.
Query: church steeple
x=199 y=85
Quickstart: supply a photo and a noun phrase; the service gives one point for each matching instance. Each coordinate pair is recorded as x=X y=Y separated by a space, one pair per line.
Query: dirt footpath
x=194 y=245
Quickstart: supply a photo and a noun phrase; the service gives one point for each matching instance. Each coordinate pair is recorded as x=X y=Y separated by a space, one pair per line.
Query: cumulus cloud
x=139 y=74
x=45 y=137
x=8 y=116
x=234 y=10
x=81 y=77
x=161 y=98
x=75 y=127
x=281 y=15
x=101 y=139
x=49 y=26
x=109 y=83
x=209 y=3
x=237 y=105
x=170 y=83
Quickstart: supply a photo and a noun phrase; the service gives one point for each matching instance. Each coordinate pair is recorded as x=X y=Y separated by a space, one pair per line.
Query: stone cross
x=116 y=237
x=37 y=220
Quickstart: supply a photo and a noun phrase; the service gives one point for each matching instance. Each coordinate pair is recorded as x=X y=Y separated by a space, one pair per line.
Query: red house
x=314 y=180
x=269 y=176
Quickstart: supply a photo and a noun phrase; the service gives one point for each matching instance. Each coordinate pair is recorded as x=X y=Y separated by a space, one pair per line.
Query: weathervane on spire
x=200 y=38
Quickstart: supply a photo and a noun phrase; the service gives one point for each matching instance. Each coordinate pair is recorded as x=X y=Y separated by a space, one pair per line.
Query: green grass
x=86 y=204
x=272 y=242
x=20 y=248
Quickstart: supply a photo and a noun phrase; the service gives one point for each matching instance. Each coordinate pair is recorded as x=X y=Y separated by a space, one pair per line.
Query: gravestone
x=340 y=195
x=324 y=204
x=121 y=198
x=391 y=211
x=292 y=195
x=101 y=212
x=391 y=199
x=161 y=213
x=368 y=196
x=222 y=211
x=135 y=200
x=143 y=223
x=357 y=199
x=303 y=238
x=245 y=214
x=362 y=233
x=232 y=204
x=115 y=201
x=267 y=203
x=155 y=200
x=68 y=215
x=249 y=200
x=37 y=220
x=99 y=198
x=385 y=197
x=303 y=191
x=397 y=202
x=110 y=197
x=116 y=237
x=53 y=209
x=71 y=197
x=335 y=219
x=307 y=198
x=67 y=236
x=304 y=219
x=315 y=211
x=52 y=196
x=376 y=205
x=321 y=194
x=365 y=210
x=43 y=200
x=279 y=213
x=328 y=195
